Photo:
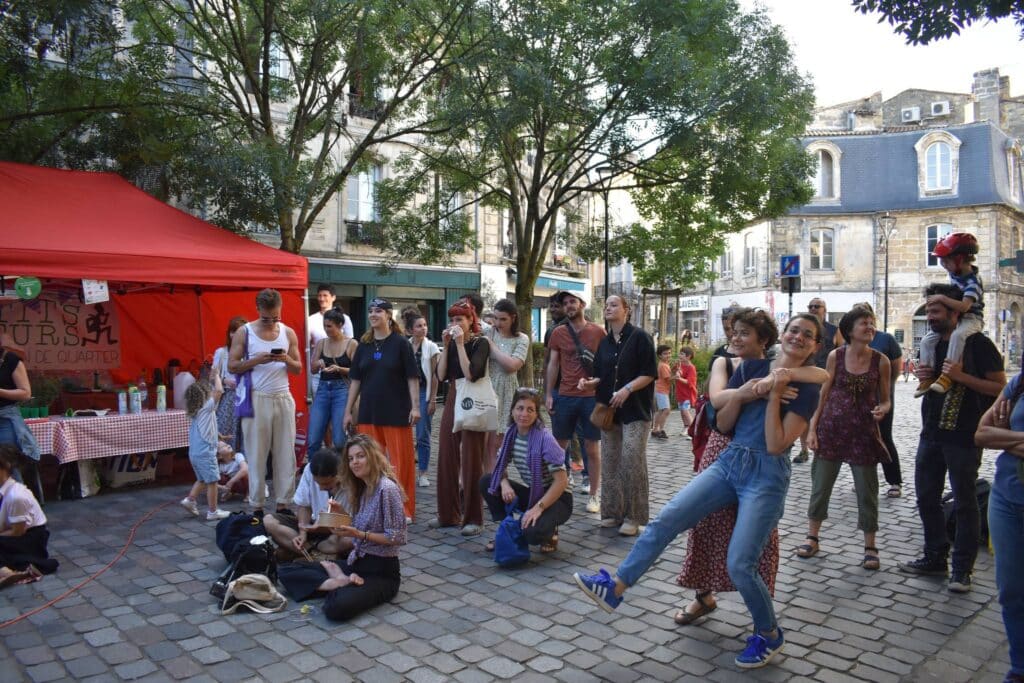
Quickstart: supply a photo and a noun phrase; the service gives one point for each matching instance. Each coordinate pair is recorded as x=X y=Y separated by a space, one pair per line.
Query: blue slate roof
x=879 y=171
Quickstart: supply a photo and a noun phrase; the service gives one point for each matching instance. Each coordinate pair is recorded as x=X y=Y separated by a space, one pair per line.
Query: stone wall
x=923 y=100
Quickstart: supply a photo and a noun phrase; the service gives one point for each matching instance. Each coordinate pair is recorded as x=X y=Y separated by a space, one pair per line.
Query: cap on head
x=382 y=304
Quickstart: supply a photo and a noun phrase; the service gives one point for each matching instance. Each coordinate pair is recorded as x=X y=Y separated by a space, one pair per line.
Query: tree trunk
x=663 y=316
x=525 y=282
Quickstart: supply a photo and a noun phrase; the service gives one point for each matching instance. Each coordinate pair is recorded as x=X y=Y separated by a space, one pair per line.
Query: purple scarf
x=536 y=445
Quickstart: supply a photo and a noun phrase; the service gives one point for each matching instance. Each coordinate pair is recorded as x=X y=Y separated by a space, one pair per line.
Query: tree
x=922 y=21
x=69 y=95
x=563 y=88
x=256 y=113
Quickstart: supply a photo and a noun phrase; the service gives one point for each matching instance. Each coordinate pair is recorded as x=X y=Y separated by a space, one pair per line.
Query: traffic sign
x=790 y=266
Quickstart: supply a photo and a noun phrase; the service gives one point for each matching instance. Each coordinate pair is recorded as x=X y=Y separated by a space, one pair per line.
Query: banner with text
x=63 y=333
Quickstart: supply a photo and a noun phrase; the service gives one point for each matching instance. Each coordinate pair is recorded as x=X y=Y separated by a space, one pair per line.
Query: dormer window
x=826 y=170
x=938 y=164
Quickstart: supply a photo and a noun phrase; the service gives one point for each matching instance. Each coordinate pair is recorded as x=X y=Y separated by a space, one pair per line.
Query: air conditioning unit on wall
x=940 y=108
x=910 y=114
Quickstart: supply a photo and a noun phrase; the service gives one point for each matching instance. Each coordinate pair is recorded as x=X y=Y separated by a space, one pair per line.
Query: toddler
x=956 y=254
x=201 y=406
x=234 y=472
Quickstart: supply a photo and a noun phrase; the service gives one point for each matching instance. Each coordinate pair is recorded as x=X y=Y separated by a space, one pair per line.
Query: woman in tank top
x=332 y=356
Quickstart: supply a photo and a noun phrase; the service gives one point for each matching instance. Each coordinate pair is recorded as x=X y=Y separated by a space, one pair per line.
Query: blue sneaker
x=759 y=651
x=600 y=588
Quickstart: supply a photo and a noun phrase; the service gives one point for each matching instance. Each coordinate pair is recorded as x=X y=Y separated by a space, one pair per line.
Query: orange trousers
x=398 y=446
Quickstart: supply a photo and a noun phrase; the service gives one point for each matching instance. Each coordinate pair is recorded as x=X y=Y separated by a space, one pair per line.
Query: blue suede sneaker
x=600 y=588
x=759 y=651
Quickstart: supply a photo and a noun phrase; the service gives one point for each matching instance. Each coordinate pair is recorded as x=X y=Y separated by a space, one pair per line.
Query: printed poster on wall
x=62 y=333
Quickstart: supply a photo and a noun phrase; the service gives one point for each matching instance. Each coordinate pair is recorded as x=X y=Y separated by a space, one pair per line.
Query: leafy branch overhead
x=924 y=21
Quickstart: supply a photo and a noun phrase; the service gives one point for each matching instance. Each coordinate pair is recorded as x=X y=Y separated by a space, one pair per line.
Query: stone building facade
x=952 y=163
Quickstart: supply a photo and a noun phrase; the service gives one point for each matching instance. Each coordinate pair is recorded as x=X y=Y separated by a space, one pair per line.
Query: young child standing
x=661 y=389
x=686 y=386
x=201 y=405
x=956 y=254
x=234 y=472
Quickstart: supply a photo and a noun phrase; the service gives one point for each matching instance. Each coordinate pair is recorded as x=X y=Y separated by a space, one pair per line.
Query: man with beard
x=948 y=423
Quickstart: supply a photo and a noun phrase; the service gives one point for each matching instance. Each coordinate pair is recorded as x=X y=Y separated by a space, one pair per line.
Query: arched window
x=822 y=249
x=938 y=164
x=939 y=169
x=826 y=170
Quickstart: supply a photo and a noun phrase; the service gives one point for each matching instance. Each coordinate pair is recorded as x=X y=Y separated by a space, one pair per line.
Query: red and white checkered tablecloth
x=82 y=438
x=43 y=429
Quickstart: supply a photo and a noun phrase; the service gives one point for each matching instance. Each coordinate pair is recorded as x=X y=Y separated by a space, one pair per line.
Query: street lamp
x=886 y=229
x=606 y=173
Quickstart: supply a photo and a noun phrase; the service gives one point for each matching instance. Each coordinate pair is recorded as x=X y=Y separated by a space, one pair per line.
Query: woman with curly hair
x=370 y=574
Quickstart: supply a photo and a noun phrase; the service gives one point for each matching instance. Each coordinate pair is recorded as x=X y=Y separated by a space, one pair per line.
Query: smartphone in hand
x=276 y=352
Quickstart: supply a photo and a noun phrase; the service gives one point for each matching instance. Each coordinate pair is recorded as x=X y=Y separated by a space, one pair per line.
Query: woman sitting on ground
x=536 y=458
x=23 y=533
x=370 y=575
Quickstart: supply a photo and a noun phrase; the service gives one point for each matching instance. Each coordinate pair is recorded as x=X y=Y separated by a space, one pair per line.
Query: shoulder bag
x=476 y=404
x=603 y=416
x=243 y=385
x=585 y=355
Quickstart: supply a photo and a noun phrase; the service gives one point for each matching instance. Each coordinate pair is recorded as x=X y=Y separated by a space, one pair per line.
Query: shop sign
x=693 y=303
x=28 y=287
x=59 y=334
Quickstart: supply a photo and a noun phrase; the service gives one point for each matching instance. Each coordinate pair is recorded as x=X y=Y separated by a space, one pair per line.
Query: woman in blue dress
x=767 y=411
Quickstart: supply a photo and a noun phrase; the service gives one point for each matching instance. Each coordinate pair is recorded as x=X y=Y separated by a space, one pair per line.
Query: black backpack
x=982 y=489
x=243 y=540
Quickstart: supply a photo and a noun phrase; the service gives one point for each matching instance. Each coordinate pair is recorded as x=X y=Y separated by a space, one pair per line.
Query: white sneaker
x=609 y=523
x=471 y=530
x=189 y=505
x=593 y=504
x=628 y=528
x=423 y=481
x=214 y=515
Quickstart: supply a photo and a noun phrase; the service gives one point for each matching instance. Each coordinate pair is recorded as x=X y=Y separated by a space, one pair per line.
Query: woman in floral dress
x=509 y=347
x=845 y=429
x=704 y=566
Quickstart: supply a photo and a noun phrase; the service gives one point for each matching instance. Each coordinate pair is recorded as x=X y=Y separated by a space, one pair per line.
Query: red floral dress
x=704 y=567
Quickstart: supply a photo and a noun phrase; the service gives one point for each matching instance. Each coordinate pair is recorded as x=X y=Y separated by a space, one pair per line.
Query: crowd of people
x=829 y=386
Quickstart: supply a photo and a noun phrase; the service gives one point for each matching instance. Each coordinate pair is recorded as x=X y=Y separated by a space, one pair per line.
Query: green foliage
x=665 y=93
x=924 y=21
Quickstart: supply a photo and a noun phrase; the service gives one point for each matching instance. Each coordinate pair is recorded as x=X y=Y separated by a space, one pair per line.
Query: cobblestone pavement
x=460 y=618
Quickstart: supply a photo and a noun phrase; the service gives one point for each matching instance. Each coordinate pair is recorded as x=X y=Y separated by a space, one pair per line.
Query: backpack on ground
x=235 y=528
x=254 y=556
x=982 y=489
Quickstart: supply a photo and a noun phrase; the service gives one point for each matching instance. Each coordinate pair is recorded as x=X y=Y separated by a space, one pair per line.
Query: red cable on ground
x=124 y=549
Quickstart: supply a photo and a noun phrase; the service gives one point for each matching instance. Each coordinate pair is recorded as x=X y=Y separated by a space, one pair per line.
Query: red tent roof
x=81 y=224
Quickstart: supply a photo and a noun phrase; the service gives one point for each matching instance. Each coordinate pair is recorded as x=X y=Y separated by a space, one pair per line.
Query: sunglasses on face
x=811 y=307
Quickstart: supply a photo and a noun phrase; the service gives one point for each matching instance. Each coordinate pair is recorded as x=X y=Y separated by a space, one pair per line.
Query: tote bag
x=510 y=547
x=476 y=406
x=243 y=386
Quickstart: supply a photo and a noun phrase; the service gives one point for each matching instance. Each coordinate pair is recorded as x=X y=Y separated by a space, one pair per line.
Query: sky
x=849 y=55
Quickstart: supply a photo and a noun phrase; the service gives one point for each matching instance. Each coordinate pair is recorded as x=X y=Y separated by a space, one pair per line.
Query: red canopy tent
x=176 y=280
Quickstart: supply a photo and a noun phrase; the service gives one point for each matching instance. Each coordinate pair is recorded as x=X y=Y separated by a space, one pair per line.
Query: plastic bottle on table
x=143 y=390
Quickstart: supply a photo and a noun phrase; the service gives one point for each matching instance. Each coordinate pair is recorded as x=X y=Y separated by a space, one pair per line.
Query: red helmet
x=956 y=243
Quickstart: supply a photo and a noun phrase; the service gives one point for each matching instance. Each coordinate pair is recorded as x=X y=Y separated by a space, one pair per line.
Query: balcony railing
x=370 y=234
x=373 y=111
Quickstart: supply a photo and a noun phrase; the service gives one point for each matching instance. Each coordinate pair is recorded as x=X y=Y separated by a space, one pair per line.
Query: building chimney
x=987 y=91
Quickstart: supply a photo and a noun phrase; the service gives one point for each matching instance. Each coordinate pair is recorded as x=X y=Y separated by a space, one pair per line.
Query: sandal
x=550 y=546
x=489 y=547
x=684 y=617
x=871 y=560
x=11 y=577
x=807 y=550
x=895 y=491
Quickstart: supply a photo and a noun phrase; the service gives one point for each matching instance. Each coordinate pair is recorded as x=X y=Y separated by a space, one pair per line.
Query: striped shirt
x=523 y=468
x=971 y=286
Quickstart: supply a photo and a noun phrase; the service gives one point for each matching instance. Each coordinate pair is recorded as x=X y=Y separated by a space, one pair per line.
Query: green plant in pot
x=45 y=390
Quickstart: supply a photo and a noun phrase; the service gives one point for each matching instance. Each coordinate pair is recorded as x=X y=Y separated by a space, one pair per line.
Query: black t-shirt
x=7 y=367
x=723 y=352
x=383 y=368
x=886 y=344
x=827 y=344
x=965 y=406
x=477 y=350
x=639 y=359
